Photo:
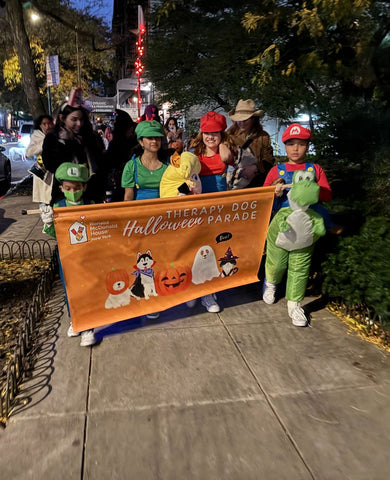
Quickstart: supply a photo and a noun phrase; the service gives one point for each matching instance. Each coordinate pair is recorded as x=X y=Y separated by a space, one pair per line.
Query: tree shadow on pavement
x=226 y=298
x=5 y=222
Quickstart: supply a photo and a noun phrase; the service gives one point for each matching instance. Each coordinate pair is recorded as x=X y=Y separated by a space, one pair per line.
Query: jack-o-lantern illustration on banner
x=145 y=256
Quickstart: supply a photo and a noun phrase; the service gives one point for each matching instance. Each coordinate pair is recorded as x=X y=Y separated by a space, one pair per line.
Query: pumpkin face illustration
x=173 y=279
x=117 y=281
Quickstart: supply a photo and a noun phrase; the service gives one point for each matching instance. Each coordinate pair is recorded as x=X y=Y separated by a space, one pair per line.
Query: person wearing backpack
x=254 y=151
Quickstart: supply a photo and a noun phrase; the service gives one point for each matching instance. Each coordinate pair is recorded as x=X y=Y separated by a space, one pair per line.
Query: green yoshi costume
x=290 y=242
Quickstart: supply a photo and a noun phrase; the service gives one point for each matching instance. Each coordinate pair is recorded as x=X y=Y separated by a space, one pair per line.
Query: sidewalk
x=238 y=395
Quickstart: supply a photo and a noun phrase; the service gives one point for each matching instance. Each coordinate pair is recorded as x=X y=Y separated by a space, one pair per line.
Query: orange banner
x=122 y=260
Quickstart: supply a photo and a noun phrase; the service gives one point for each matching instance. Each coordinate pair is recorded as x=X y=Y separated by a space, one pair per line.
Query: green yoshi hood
x=304 y=191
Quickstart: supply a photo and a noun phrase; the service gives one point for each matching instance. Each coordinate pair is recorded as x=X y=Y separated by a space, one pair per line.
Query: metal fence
x=27 y=249
x=23 y=355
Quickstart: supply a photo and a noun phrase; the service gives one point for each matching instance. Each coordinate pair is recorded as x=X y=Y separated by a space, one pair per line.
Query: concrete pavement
x=238 y=395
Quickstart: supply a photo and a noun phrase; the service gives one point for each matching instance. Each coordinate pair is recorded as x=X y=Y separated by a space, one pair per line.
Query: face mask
x=73 y=197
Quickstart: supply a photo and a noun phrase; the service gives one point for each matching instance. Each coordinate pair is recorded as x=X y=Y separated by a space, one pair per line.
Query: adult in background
x=151 y=113
x=74 y=140
x=250 y=138
x=100 y=131
x=108 y=134
x=42 y=179
x=119 y=152
x=42 y=126
x=172 y=132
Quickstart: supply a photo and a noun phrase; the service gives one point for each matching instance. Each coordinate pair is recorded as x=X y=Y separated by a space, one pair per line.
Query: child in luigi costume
x=73 y=183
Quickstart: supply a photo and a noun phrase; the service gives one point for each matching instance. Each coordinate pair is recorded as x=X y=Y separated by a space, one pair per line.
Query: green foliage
x=197 y=53
x=55 y=34
x=290 y=57
x=359 y=272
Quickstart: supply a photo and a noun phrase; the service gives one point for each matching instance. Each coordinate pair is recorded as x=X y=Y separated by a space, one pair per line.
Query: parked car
x=5 y=172
x=25 y=131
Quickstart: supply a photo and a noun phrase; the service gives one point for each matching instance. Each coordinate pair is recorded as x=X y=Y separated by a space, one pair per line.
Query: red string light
x=139 y=66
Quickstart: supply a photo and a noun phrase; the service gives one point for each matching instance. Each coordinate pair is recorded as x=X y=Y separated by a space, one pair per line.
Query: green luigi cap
x=149 y=128
x=72 y=172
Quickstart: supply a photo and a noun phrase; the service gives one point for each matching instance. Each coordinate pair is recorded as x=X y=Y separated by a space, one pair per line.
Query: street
x=19 y=168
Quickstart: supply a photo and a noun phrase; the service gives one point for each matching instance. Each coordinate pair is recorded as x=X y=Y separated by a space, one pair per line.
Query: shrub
x=359 y=272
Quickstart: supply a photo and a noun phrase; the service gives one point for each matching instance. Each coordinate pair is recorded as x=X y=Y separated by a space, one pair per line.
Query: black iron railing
x=22 y=358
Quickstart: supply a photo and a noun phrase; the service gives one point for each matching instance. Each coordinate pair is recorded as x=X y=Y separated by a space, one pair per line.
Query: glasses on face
x=213 y=134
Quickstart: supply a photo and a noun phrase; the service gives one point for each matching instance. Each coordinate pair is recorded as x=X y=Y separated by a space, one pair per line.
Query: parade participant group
x=143 y=161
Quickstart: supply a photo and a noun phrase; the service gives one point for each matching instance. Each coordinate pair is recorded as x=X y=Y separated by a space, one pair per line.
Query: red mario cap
x=212 y=122
x=296 y=131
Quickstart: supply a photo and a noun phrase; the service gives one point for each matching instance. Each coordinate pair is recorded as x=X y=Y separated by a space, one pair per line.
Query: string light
x=139 y=66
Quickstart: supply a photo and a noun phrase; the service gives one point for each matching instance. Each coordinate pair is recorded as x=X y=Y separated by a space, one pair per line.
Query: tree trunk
x=14 y=16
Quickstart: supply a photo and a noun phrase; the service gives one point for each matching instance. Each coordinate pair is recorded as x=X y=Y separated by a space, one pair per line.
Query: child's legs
x=275 y=263
x=327 y=217
x=298 y=274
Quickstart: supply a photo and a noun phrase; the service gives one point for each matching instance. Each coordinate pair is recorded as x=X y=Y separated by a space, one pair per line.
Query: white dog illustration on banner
x=143 y=286
x=117 y=284
x=205 y=265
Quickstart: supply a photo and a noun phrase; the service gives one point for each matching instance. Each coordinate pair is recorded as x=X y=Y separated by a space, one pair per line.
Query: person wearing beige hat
x=251 y=139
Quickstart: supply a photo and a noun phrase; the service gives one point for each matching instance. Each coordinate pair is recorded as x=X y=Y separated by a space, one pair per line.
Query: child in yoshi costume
x=296 y=140
x=290 y=242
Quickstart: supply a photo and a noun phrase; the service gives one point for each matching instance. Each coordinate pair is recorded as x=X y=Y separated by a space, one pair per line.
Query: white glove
x=46 y=214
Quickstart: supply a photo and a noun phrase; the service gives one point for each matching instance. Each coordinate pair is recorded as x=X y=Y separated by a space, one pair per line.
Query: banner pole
x=48 y=101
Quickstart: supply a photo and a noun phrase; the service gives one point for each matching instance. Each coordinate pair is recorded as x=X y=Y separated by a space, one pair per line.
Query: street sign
x=102 y=104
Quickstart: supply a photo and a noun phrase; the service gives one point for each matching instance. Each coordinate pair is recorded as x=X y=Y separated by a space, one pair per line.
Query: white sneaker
x=297 y=314
x=71 y=332
x=191 y=303
x=87 y=338
x=269 y=293
x=209 y=302
x=153 y=316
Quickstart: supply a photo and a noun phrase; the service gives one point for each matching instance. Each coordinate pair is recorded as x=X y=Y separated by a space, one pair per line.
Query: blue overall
x=143 y=193
x=282 y=201
x=213 y=183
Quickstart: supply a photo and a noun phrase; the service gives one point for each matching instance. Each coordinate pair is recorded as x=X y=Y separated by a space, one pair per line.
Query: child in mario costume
x=296 y=139
x=73 y=179
x=290 y=242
